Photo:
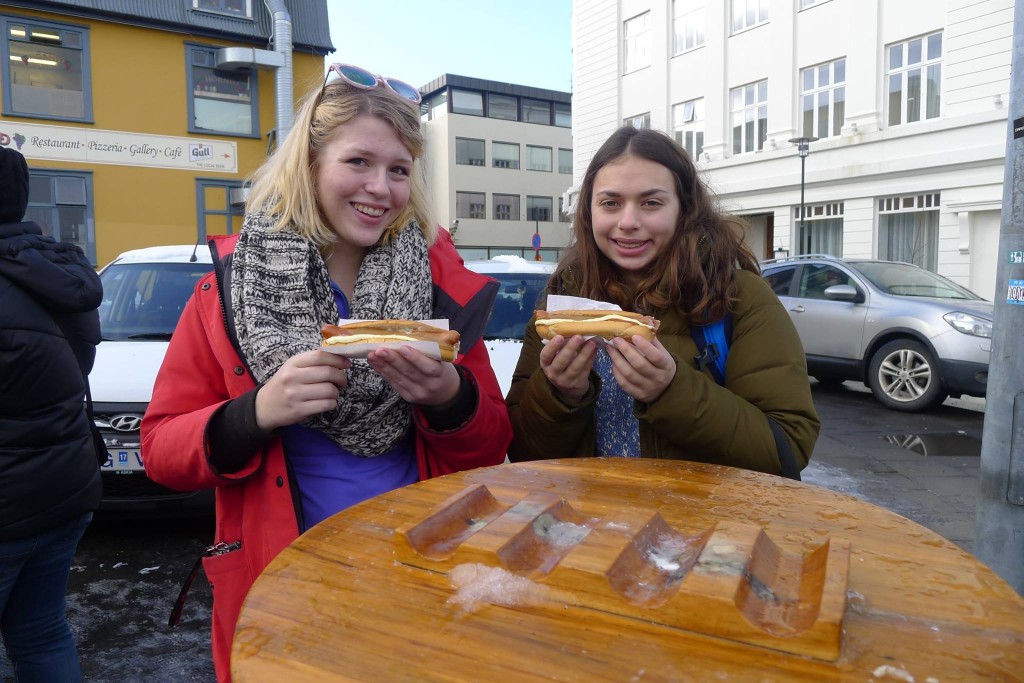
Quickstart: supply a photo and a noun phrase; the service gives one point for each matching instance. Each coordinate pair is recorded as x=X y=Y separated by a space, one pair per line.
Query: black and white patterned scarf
x=281 y=296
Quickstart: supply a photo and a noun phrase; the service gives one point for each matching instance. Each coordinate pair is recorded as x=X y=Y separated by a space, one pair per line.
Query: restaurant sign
x=87 y=145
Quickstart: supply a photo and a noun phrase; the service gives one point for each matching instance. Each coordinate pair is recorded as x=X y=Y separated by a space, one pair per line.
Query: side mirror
x=842 y=293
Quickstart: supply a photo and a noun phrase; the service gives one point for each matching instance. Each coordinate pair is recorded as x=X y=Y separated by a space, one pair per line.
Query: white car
x=144 y=293
x=522 y=283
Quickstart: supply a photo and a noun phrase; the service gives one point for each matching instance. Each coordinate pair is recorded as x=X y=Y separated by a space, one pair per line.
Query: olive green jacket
x=695 y=418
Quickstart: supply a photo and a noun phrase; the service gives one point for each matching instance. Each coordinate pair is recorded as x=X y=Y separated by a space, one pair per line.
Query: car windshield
x=145 y=300
x=515 y=304
x=907 y=280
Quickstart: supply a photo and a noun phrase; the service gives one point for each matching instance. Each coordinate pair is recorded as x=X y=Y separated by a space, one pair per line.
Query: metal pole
x=803 y=207
x=999 y=524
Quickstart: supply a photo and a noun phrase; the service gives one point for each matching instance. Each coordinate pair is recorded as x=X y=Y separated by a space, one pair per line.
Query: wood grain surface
x=439 y=582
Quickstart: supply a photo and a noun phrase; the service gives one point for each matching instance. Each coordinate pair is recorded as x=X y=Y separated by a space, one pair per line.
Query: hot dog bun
x=390 y=331
x=607 y=324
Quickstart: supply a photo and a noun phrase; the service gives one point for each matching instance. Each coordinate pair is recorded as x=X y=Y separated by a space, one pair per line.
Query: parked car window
x=815 y=279
x=780 y=280
x=514 y=304
x=144 y=301
x=908 y=280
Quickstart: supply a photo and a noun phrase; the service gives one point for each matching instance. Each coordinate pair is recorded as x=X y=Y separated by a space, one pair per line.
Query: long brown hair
x=695 y=274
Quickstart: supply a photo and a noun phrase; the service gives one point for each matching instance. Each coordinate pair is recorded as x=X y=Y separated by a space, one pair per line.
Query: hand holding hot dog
x=306 y=384
x=643 y=369
x=566 y=362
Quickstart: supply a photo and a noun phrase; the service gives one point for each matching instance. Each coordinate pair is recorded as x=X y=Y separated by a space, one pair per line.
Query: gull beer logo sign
x=199 y=152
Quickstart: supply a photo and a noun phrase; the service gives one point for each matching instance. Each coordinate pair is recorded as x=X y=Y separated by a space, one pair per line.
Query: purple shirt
x=330 y=478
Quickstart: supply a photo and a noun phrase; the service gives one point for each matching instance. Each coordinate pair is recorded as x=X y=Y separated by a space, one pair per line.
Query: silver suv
x=914 y=337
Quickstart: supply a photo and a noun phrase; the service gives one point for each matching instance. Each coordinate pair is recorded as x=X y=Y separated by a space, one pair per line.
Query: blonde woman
x=338 y=226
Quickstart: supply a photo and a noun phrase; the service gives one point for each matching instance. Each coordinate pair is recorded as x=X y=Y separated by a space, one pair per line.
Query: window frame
x=643 y=119
x=694 y=125
x=641 y=38
x=247 y=14
x=468 y=213
x=495 y=159
x=816 y=91
x=761 y=15
x=756 y=106
x=919 y=203
x=55 y=205
x=818 y=213
x=550 y=160
x=549 y=208
x=232 y=214
x=471 y=159
x=515 y=103
x=562 y=114
x=454 y=108
x=692 y=14
x=192 y=49
x=497 y=200
x=904 y=69
x=7 y=79
x=560 y=155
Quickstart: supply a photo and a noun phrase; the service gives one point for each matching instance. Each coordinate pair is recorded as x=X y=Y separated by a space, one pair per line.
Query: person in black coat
x=49 y=472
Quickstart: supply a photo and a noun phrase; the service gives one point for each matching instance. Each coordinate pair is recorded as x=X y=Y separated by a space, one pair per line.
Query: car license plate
x=123 y=460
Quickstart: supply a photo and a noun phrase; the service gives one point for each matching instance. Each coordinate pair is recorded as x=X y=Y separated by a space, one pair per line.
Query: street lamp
x=803 y=148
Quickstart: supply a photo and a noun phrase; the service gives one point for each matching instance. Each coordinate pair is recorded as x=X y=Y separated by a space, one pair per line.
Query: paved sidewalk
x=922 y=466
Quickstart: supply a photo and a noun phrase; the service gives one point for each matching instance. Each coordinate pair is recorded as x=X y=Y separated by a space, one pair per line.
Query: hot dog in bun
x=391 y=331
x=607 y=324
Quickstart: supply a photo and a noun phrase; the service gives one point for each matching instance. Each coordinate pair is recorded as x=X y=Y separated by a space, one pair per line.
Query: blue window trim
x=5 y=69
x=203 y=213
x=90 y=203
x=190 y=48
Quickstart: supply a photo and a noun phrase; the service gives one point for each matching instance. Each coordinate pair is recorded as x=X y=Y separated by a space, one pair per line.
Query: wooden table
x=764 y=579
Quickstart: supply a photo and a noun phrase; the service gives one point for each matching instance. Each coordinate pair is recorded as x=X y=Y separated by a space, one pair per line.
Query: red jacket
x=203 y=369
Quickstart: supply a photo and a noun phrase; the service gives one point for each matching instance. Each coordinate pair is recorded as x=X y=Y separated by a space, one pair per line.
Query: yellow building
x=142 y=119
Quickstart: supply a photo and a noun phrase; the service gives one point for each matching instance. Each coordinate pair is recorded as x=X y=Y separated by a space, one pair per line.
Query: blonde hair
x=284 y=186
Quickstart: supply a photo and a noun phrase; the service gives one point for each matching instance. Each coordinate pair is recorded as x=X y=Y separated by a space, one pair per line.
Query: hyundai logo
x=126 y=423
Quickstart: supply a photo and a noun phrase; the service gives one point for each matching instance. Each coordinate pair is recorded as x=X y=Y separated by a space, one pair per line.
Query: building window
x=469 y=152
x=748 y=13
x=235 y=8
x=804 y=4
x=637 y=43
x=60 y=202
x=222 y=101
x=638 y=121
x=688 y=126
x=466 y=102
x=908 y=229
x=914 y=74
x=688 y=24
x=536 y=111
x=538 y=209
x=45 y=70
x=538 y=158
x=565 y=160
x=749 y=117
x=470 y=205
x=506 y=207
x=438 y=105
x=563 y=115
x=505 y=154
x=502 y=107
x=562 y=215
x=823 y=89
x=822 y=229
x=221 y=210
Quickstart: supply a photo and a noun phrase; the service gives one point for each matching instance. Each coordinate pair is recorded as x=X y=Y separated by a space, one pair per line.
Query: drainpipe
x=283 y=76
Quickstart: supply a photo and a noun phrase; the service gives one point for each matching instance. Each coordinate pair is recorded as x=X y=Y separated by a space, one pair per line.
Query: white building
x=498 y=160
x=908 y=98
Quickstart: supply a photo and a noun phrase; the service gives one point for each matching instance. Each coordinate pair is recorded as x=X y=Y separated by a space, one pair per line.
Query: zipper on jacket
x=219 y=548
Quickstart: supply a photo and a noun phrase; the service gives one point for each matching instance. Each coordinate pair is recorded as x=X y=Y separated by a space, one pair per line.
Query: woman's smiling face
x=363 y=180
x=634 y=212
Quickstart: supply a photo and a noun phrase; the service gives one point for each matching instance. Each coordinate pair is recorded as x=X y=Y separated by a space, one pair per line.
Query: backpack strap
x=712 y=342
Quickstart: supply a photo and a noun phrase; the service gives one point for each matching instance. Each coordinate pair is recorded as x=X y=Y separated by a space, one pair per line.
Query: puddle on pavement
x=933 y=445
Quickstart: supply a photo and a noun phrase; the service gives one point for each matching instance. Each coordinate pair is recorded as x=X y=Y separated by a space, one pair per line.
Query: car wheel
x=904 y=375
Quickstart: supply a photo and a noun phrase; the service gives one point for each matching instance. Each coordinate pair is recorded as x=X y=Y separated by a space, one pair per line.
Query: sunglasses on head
x=359 y=77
